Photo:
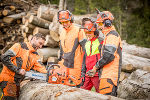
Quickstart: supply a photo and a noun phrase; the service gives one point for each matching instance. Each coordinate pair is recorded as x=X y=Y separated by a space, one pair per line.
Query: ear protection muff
x=107 y=23
x=70 y=15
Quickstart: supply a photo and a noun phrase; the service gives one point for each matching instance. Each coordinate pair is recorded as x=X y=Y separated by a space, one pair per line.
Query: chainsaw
x=55 y=74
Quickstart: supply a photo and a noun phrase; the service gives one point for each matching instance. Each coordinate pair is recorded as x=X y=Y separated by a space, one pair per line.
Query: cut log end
x=31 y=18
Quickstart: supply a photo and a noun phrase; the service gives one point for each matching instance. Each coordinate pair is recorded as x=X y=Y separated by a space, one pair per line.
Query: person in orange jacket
x=92 y=54
x=109 y=65
x=72 y=40
x=21 y=57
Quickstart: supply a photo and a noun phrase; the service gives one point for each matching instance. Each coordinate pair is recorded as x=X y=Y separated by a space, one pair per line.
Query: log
x=128 y=68
x=46 y=13
x=136 y=61
x=54 y=31
x=45 y=53
x=136 y=86
x=39 y=22
x=50 y=42
x=41 y=30
x=38 y=90
x=11 y=18
x=24 y=28
x=52 y=60
x=136 y=50
x=30 y=25
x=123 y=75
x=7 y=12
x=26 y=18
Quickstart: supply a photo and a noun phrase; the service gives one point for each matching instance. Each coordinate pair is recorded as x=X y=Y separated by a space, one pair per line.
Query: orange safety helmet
x=65 y=15
x=88 y=26
x=102 y=16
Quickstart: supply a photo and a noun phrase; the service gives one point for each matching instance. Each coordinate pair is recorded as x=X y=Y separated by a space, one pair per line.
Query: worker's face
x=89 y=35
x=66 y=24
x=37 y=43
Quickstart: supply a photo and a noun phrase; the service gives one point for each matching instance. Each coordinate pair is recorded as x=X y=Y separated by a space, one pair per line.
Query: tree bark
x=50 y=42
x=45 y=53
x=46 y=13
x=137 y=62
x=136 y=50
x=38 y=90
x=11 y=18
x=39 y=22
x=41 y=30
x=136 y=86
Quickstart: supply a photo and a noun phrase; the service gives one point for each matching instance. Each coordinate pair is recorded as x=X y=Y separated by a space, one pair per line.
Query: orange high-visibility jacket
x=111 y=59
x=20 y=56
x=71 y=41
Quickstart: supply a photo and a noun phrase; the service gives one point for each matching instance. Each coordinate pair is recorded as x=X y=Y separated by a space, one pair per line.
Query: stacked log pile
x=133 y=58
x=11 y=12
x=43 y=22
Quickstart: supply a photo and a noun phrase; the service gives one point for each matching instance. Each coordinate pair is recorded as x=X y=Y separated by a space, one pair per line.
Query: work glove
x=92 y=72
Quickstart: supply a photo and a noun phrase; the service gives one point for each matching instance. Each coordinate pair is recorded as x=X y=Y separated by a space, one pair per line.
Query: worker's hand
x=92 y=72
x=22 y=72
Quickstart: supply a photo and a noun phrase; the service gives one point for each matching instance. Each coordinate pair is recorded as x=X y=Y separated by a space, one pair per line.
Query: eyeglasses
x=89 y=32
x=64 y=22
x=100 y=24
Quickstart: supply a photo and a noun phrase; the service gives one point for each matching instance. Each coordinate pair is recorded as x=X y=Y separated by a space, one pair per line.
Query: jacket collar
x=106 y=30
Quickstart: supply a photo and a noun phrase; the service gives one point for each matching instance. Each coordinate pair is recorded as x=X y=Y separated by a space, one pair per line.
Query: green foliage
x=49 y=1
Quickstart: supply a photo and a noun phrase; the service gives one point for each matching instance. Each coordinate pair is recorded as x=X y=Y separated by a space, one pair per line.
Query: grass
x=93 y=89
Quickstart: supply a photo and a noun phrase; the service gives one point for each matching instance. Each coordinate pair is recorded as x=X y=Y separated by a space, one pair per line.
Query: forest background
x=132 y=17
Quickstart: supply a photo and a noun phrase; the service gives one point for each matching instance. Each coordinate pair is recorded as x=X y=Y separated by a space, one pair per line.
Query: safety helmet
x=105 y=15
x=64 y=15
x=89 y=25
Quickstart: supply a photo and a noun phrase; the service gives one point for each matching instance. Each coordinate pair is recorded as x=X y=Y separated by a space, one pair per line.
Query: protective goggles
x=64 y=16
x=88 y=27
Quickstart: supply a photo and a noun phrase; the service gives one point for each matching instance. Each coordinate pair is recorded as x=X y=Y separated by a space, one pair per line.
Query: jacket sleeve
x=83 y=70
x=82 y=39
x=39 y=66
x=109 y=48
x=9 y=55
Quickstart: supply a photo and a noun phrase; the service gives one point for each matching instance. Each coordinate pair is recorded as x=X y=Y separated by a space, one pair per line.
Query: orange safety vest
x=71 y=41
x=20 y=56
x=111 y=69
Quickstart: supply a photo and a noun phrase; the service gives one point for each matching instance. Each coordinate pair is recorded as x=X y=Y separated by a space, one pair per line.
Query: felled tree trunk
x=11 y=18
x=46 y=13
x=136 y=50
x=37 y=90
x=136 y=62
x=41 y=30
x=39 y=22
x=136 y=86
x=45 y=53
x=50 y=42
